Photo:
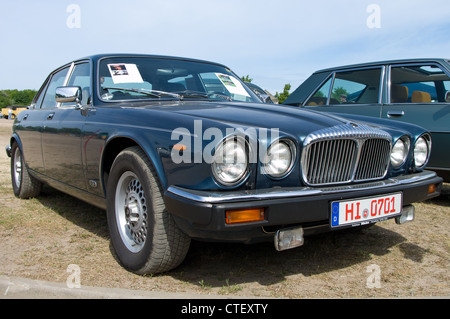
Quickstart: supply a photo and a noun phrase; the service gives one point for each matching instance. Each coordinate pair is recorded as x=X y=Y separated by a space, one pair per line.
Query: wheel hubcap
x=131 y=211
x=17 y=170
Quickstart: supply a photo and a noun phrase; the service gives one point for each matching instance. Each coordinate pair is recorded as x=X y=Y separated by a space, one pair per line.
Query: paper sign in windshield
x=125 y=73
x=231 y=84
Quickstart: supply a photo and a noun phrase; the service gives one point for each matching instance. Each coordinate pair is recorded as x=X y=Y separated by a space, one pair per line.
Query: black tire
x=24 y=185
x=143 y=233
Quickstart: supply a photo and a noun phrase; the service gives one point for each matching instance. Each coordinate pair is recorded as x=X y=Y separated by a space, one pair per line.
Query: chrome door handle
x=50 y=116
x=395 y=113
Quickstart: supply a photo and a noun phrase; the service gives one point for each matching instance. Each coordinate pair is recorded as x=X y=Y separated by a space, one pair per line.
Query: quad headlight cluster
x=231 y=164
x=421 y=151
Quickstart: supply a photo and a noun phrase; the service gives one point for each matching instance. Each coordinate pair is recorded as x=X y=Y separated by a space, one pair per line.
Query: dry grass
x=42 y=236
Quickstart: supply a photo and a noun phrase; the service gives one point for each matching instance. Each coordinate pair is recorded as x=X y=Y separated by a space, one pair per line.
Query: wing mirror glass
x=66 y=94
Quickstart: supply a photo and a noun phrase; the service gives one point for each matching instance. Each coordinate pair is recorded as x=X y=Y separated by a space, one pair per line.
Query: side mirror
x=447 y=97
x=66 y=94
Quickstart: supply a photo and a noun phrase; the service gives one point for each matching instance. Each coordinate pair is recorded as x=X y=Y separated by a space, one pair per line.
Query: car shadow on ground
x=214 y=263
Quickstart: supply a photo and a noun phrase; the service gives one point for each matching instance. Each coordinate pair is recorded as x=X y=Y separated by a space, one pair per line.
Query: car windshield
x=137 y=78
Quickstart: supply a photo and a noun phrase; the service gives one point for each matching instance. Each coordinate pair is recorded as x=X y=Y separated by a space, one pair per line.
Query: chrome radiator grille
x=345 y=153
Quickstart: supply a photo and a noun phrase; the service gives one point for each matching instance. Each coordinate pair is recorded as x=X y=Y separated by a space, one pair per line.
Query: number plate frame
x=365 y=210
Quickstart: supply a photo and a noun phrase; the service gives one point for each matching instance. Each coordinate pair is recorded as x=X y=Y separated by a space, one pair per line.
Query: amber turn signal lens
x=431 y=188
x=244 y=215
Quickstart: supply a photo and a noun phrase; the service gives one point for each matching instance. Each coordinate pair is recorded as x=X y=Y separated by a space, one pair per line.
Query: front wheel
x=24 y=185
x=144 y=235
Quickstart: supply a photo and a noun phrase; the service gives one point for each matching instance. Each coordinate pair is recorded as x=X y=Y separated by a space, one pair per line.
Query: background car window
x=321 y=95
x=419 y=84
x=57 y=80
x=81 y=76
x=356 y=87
x=350 y=87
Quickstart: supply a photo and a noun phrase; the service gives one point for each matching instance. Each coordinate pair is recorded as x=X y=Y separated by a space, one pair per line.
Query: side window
x=37 y=100
x=356 y=87
x=81 y=76
x=349 y=87
x=321 y=95
x=419 y=84
x=57 y=80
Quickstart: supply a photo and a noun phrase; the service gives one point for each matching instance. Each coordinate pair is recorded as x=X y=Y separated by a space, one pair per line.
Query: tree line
x=16 y=97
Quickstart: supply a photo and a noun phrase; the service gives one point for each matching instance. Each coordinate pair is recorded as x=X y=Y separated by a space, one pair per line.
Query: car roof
x=96 y=57
x=376 y=63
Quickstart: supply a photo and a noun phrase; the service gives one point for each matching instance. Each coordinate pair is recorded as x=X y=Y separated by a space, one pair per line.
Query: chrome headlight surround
x=279 y=159
x=422 y=151
x=399 y=151
x=230 y=165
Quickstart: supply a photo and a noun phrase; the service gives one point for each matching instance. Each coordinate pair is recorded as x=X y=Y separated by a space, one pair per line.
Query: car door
x=418 y=94
x=353 y=91
x=62 y=130
x=29 y=123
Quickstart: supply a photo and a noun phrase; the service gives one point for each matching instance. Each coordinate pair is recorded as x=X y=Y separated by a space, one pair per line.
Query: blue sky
x=275 y=42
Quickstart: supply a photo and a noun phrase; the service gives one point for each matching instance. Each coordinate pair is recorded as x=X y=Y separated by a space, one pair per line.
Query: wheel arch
x=117 y=145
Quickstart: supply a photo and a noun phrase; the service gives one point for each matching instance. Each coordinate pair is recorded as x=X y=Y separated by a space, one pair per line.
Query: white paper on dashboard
x=232 y=84
x=124 y=73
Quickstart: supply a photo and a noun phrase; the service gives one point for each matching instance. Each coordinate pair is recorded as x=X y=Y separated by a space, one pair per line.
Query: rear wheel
x=144 y=235
x=24 y=185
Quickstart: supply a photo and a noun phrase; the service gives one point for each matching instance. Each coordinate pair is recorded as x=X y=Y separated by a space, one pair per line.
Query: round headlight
x=421 y=152
x=279 y=159
x=230 y=163
x=399 y=152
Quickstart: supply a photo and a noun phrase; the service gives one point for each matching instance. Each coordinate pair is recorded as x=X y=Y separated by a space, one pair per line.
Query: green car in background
x=410 y=90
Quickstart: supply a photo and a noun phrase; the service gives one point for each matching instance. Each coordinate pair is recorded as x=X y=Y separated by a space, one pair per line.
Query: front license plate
x=365 y=210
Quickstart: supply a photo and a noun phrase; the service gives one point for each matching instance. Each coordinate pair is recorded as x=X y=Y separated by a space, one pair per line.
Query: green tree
x=283 y=95
x=16 y=97
x=246 y=78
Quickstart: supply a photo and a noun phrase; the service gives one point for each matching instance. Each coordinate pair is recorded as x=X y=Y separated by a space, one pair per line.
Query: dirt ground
x=41 y=237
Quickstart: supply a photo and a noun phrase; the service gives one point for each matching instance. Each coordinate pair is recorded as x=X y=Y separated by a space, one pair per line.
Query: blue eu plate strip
x=335 y=214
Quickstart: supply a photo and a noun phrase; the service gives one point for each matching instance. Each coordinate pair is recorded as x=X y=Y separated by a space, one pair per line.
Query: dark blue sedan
x=177 y=149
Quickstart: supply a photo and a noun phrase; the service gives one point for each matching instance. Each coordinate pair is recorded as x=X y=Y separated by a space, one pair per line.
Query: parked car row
x=10 y=112
x=176 y=149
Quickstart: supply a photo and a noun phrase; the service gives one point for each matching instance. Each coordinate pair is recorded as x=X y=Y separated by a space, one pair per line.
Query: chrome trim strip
x=276 y=193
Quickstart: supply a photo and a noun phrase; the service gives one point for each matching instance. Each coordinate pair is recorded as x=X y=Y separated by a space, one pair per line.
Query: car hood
x=287 y=119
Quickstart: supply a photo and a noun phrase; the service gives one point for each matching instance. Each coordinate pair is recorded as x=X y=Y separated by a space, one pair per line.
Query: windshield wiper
x=153 y=93
x=189 y=93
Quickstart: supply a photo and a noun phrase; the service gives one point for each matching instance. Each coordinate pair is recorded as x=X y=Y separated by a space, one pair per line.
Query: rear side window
x=349 y=87
x=426 y=83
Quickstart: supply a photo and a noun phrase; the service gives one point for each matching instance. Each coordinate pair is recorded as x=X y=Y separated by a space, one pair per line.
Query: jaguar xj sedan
x=176 y=149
